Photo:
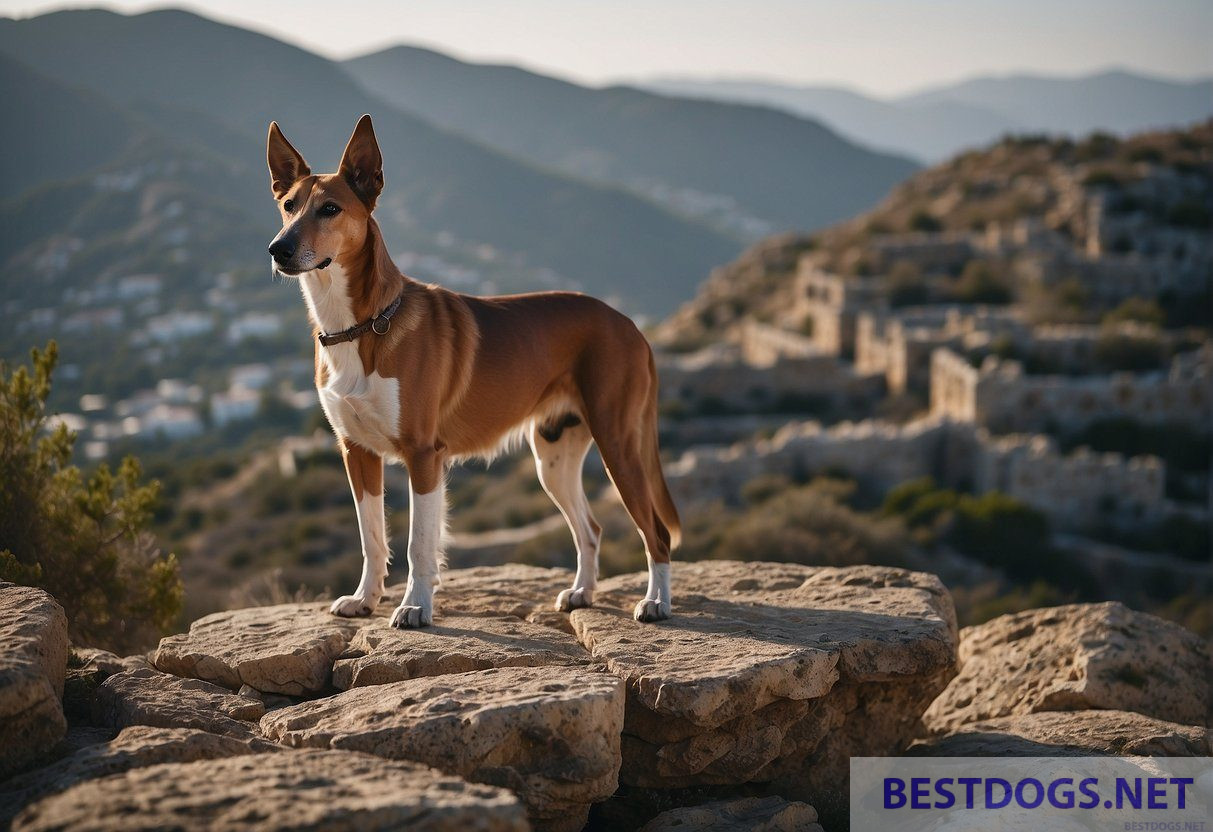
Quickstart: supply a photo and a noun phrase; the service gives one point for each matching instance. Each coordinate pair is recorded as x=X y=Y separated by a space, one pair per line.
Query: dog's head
x=324 y=216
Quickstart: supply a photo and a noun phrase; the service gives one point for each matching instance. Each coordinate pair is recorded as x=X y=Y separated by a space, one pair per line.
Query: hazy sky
x=880 y=46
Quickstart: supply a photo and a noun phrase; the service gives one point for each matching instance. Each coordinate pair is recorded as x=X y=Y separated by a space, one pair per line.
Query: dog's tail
x=663 y=503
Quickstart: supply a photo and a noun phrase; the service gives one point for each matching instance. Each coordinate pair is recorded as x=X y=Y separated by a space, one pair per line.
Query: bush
x=82 y=539
x=1141 y=310
x=925 y=221
x=979 y=283
x=1003 y=532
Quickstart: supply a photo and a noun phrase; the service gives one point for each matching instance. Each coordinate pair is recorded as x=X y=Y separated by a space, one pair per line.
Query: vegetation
x=994 y=528
x=82 y=538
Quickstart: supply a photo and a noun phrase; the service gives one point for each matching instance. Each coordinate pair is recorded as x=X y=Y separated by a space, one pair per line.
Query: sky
x=882 y=47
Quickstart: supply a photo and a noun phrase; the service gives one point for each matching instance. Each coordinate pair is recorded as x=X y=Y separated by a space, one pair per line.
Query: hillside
x=747 y=168
x=937 y=122
x=447 y=196
x=1101 y=209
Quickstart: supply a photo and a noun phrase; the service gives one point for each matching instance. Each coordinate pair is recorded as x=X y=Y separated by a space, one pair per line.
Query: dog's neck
x=353 y=288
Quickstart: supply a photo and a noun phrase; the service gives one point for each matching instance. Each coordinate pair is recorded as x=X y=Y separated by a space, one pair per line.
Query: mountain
x=929 y=131
x=198 y=85
x=746 y=167
x=1116 y=101
x=935 y=123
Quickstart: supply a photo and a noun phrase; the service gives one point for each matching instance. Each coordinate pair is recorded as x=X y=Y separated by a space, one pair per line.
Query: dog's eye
x=329 y=209
x=289 y=206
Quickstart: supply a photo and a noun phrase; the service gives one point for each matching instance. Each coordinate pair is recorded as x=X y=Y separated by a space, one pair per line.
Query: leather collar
x=378 y=325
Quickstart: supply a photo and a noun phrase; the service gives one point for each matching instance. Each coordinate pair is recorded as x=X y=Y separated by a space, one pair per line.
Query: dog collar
x=378 y=325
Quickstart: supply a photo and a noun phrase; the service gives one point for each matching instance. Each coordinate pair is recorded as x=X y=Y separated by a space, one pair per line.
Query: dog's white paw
x=649 y=610
x=406 y=617
x=353 y=606
x=574 y=599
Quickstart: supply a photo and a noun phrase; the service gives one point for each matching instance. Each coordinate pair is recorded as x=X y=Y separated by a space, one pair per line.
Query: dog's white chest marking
x=363 y=408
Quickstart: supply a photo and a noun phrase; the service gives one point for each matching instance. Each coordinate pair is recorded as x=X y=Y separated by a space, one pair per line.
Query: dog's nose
x=282 y=250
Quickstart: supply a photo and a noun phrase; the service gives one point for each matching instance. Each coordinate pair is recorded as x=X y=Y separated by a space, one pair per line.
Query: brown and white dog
x=415 y=373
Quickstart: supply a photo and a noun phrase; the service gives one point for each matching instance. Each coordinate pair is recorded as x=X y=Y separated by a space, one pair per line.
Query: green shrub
x=925 y=221
x=981 y=283
x=82 y=539
x=1141 y=310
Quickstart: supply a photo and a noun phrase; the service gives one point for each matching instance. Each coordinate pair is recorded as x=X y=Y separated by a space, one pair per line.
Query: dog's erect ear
x=286 y=165
x=362 y=164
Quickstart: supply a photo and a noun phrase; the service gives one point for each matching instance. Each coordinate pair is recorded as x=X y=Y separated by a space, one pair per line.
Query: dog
x=414 y=373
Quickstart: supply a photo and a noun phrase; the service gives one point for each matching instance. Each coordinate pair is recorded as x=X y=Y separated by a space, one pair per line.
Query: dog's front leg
x=365 y=471
x=427 y=514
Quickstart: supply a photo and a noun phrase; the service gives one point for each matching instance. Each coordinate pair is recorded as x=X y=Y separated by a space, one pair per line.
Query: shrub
x=925 y=221
x=980 y=283
x=1142 y=310
x=82 y=539
x=1004 y=532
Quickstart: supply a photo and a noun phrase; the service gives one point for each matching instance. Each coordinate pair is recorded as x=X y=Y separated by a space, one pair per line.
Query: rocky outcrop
x=148 y=697
x=1077 y=657
x=87 y=669
x=134 y=747
x=549 y=734
x=752 y=814
x=305 y=790
x=772 y=672
x=456 y=643
x=1070 y=733
x=33 y=660
x=287 y=649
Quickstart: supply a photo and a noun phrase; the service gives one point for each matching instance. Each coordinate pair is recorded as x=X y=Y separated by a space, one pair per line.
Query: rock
x=134 y=747
x=289 y=648
x=33 y=660
x=456 y=643
x=87 y=668
x=148 y=697
x=526 y=592
x=1077 y=657
x=751 y=814
x=549 y=734
x=1070 y=733
x=772 y=672
x=335 y=791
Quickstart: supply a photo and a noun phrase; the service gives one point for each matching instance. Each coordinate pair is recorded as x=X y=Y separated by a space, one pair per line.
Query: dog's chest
x=363 y=408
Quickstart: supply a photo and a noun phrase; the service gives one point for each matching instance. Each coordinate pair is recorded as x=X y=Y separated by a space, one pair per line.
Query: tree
x=82 y=539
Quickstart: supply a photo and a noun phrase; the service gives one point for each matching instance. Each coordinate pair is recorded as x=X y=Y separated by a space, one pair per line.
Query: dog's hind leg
x=365 y=472
x=559 y=448
x=622 y=415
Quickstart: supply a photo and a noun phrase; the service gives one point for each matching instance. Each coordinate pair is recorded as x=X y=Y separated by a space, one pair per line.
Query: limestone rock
x=87 y=668
x=526 y=592
x=148 y=697
x=289 y=648
x=380 y=654
x=335 y=791
x=1070 y=733
x=765 y=667
x=134 y=747
x=1077 y=657
x=751 y=814
x=549 y=734
x=33 y=660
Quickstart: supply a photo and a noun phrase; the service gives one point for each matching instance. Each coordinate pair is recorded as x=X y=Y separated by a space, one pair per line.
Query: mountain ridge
x=972 y=111
x=687 y=153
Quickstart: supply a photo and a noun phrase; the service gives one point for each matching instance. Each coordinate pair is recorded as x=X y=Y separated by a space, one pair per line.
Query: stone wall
x=1002 y=397
x=764 y=369
x=1076 y=491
